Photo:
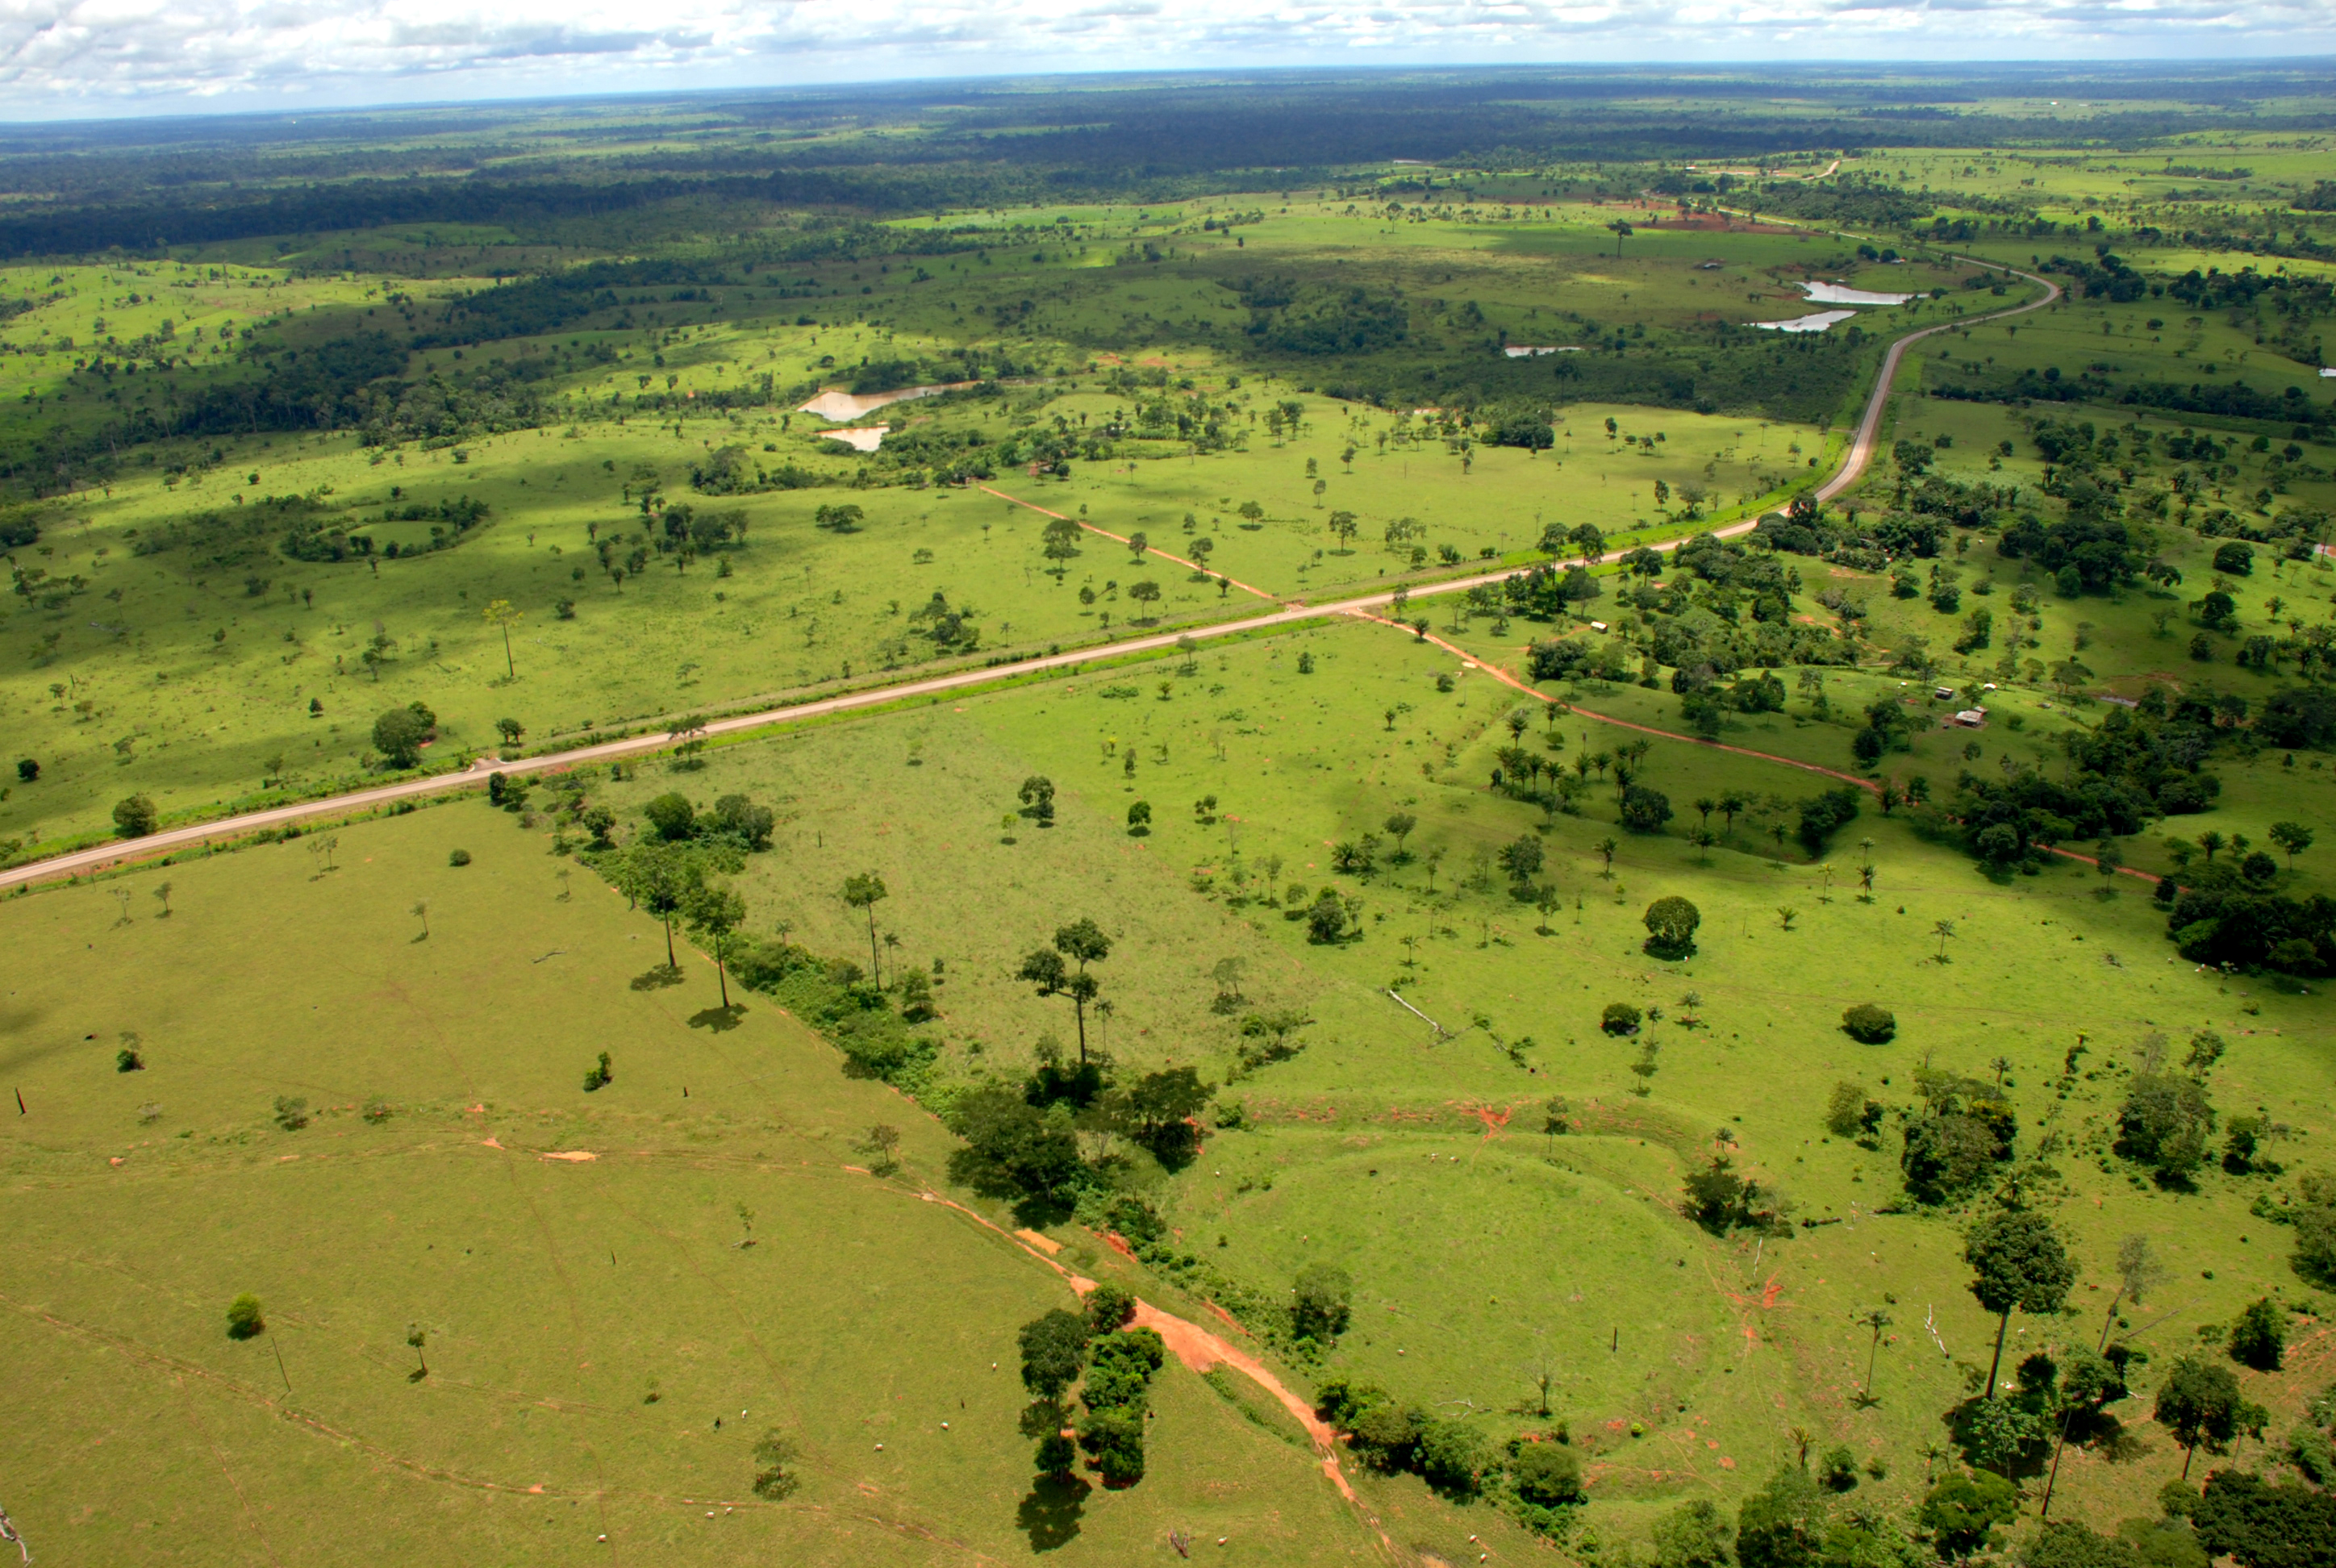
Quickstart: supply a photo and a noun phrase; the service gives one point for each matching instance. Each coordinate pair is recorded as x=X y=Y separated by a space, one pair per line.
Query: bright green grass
x=191 y=716
x=556 y=1295
x=1307 y=760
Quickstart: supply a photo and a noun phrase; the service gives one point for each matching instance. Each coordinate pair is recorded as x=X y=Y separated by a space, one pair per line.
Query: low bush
x=1867 y=1022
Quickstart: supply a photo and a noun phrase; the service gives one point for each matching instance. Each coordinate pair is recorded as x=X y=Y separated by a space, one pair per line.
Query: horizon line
x=906 y=81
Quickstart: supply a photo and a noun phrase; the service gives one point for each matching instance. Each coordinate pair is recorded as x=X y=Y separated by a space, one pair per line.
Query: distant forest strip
x=929 y=147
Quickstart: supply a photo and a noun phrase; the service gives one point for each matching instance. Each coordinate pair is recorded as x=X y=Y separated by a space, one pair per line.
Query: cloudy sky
x=62 y=58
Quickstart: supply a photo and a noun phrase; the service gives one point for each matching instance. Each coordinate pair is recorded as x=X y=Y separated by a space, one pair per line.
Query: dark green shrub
x=243 y=1317
x=1645 y=810
x=1671 y=925
x=672 y=815
x=1109 y=1307
x=2259 y=1338
x=1547 y=1475
x=1867 y=1022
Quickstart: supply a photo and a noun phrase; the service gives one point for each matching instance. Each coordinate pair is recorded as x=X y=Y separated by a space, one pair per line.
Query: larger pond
x=1816 y=323
x=1836 y=293
x=838 y=407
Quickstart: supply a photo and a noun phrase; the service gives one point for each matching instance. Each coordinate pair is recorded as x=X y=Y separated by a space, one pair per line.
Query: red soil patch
x=1495 y=1122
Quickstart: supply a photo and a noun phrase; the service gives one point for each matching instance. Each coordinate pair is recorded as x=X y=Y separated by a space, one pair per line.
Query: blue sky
x=73 y=58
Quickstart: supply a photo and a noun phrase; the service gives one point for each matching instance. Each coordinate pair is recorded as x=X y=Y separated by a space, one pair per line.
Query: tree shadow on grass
x=1049 y=1515
x=658 y=978
x=721 y=1020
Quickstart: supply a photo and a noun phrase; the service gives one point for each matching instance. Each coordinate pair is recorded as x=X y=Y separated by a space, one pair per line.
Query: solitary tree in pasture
x=2138 y=1272
x=1730 y=802
x=502 y=615
x=1875 y=1320
x=1398 y=826
x=2200 y=1402
x=657 y=877
x=1082 y=942
x=864 y=891
x=244 y=1318
x=2018 y=1265
x=714 y=914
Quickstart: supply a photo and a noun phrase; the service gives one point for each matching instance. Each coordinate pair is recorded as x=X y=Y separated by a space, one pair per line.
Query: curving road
x=1854 y=464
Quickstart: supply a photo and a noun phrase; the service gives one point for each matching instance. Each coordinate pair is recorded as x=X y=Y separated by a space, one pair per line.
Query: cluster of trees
x=2231 y=915
x=1287 y=316
x=2086 y=551
x=1540 y=1478
x=400 y=733
x=1926 y=504
x=735 y=821
x=449 y=404
x=1720 y=1200
x=1058 y=1137
x=1575 y=660
x=1112 y=1366
x=2259 y=1525
x=1824 y=814
x=1801 y=1519
x=2166 y=1121
x=731 y=470
x=2148 y=761
x=1724 y=608
x=678 y=530
x=1962 y=1133
x=671 y=881
x=874 y=1026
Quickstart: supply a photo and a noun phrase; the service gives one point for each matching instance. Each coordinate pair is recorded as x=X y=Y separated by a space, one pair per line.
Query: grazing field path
x=199 y=834
x=1123 y=538
x=1202 y=1351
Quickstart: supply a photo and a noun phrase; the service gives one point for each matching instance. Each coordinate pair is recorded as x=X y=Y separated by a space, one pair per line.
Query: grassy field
x=574 y=1259
x=1526 y=1262
x=602 y=1352
x=220 y=669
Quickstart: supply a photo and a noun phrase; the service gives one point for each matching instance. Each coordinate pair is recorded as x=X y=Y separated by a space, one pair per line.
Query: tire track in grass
x=395 y=991
x=682 y=1251
x=180 y=1372
x=1123 y=538
x=219 y=1455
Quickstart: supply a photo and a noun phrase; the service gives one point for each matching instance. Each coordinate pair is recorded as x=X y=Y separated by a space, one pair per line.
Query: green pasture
x=602 y=1352
x=234 y=648
x=556 y=1295
x=1299 y=761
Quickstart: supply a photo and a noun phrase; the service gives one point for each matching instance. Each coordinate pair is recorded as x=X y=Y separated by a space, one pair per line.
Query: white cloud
x=115 y=56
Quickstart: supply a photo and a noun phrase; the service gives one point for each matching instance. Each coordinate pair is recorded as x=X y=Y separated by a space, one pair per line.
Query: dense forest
x=913 y=148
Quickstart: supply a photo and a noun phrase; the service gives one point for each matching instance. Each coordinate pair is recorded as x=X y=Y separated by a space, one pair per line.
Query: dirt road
x=196 y=834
